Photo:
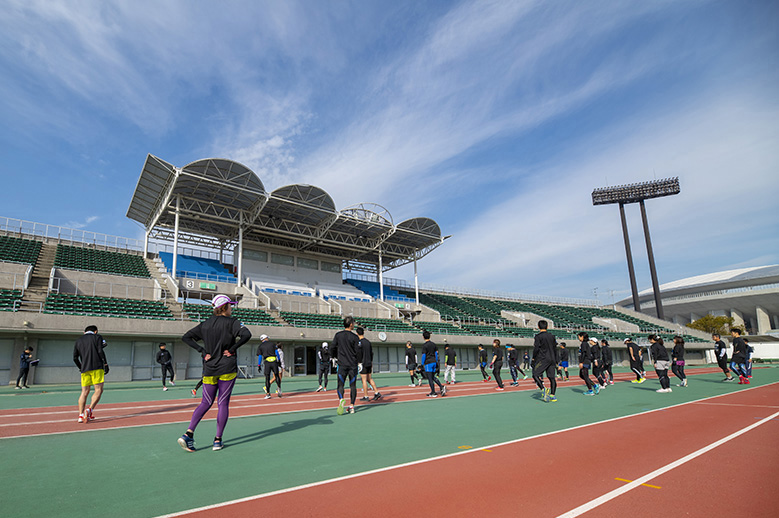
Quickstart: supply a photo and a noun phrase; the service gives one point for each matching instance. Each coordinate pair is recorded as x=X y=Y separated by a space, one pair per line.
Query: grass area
x=141 y=472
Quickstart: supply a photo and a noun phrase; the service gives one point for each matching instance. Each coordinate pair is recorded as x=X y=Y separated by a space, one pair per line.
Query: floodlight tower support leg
x=652 y=269
x=416 y=283
x=631 y=271
x=380 y=276
x=239 y=260
x=176 y=236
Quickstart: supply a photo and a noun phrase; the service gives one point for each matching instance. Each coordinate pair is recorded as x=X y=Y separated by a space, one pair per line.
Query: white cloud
x=78 y=225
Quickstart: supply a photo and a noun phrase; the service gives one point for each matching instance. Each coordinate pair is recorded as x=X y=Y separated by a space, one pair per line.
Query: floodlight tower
x=637 y=193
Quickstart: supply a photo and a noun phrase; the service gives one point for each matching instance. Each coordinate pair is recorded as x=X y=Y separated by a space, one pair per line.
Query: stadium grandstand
x=295 y=263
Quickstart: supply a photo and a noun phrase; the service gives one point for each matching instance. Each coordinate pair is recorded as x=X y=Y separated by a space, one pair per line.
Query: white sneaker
x=319 y=389
x=412 y=385
x=173 y=384
x=164 y=388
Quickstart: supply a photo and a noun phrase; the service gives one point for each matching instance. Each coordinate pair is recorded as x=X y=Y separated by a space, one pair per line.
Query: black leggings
x=433 y=380
x=23 y=372
x=597 y=371
x=549 y=369
x=496 y=372
x=166 y=368
x=607 y=369
x=347 y=373
x=662 y=375
x=483 y=372
x=584 y=373
x=678 y=371
x=271 y=368
x=723 y=364
x=324 y=370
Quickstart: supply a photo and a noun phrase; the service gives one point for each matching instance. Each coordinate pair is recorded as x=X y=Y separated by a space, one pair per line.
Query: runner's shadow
x=288 y=426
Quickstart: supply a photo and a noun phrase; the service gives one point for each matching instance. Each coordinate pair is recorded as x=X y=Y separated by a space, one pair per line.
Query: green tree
x=711 y=324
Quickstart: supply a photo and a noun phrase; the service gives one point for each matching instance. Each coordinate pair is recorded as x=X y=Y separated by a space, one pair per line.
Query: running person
x=222 y=335
x=677 y=359
x=513 y=359
x=608 y=360
x=544 y=358
x=585 y=362
x=268 y=352
x=562 y=362
x=366 y=370
x=430 y=363
x=323 y=356
x=497 y=363
x=483 y=363
x=346 y=349
x=89 y=357
x=450 y=359
x=597 y=362
x=411 y=365
x=738 y=362
x=721 y=352
x=634 y=354
x=662 y=362
x=164 y=359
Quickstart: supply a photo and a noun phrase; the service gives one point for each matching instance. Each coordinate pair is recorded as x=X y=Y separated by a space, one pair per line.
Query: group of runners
x=218 y=338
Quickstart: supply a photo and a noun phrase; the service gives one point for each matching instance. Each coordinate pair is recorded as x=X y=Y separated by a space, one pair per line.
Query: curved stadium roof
x=719 y=280
x=217 y=196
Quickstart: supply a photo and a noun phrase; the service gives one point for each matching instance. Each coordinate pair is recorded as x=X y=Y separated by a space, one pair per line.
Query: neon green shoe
x=340 y=410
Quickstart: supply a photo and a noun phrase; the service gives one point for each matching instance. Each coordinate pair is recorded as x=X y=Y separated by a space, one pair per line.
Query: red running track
x=49 y=420
x=551 y=475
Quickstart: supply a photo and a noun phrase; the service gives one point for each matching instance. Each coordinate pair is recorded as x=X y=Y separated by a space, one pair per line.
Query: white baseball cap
x=324 y=344
x=263 y=337
x=221 y=300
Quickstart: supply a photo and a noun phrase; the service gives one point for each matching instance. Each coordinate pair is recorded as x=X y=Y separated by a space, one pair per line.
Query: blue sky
x=496 y=119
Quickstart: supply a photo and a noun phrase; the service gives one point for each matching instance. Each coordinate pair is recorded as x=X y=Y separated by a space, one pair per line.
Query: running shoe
x=589 y=393
x=377 y=396
x=611 y=382
x=443 y=391
x=684 y=382
x=642 y=380
x=319 y=389
x=489 y=378
x=194 y=392
x=746 y=381
x=164 y=389
x=660 y=390
x=81 y=418
x=432 y=394
x=340 y=410
x=217 y=445
x=324 y=389
x=172 y=384
x=88 y=414
x=278 y=392
x=596 y=388
x=545 y=396
x=412 y=385
x=499 y=389
x=484 y=380
x=524 y=378
x=366 y=398
x=634 y=381
x=18 y=387
x=741 y=380
x=351 y=409
x=552 y=399
x=187 y=442
x=267 y=396
x=729 y=379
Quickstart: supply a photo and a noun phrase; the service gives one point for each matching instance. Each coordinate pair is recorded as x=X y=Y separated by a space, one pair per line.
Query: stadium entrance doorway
x=305 y=360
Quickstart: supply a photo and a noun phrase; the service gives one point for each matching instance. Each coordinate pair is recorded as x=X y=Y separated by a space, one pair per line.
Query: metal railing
x=17 y=280
x=107 y=289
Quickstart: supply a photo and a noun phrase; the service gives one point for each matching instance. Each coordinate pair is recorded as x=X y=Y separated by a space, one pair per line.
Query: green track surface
x=142 y=471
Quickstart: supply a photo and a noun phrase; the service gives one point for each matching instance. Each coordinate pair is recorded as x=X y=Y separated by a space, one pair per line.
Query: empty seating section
x=442 y=328
x=313 y=320
x=19 y=250
x=388 y=325
x=7 y=299
x=198 y=268
x=433 y=302
x=644 y=326
x=373 y=289
x=116 y=263
x=484 y=330
x=252 y=317
x=107 y=306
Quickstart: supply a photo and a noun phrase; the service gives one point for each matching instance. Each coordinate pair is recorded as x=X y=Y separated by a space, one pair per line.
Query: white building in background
x=749 y=295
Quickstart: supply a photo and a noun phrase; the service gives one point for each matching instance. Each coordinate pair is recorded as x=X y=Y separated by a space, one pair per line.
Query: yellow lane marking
x=647 y=485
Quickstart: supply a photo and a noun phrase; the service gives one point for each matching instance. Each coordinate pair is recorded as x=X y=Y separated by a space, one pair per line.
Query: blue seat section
x=198 y=268
x=372 y=289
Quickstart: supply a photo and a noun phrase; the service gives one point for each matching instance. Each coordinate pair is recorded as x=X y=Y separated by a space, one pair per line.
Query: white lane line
x=440 y=457
x=592 y=504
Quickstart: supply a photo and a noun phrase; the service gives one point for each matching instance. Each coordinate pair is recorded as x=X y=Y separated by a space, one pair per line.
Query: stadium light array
x=635 y=192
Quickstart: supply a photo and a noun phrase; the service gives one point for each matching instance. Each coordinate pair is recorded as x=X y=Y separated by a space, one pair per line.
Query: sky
x=495 y=119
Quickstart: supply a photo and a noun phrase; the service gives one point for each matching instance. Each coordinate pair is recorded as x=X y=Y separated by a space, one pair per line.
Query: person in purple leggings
x=222 y=335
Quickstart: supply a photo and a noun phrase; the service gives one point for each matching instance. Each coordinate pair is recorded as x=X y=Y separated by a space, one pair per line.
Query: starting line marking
x=464 y=447
x=647 y=485
x=592 y=504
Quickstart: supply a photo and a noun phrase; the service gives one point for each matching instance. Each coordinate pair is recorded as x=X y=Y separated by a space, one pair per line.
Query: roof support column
x=416 y=282
x=239 y=262
x=176 y=235
x=146 y=244
x=380 y=276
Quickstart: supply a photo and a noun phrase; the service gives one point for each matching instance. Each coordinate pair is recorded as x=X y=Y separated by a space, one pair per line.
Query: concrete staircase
x=39 y=280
